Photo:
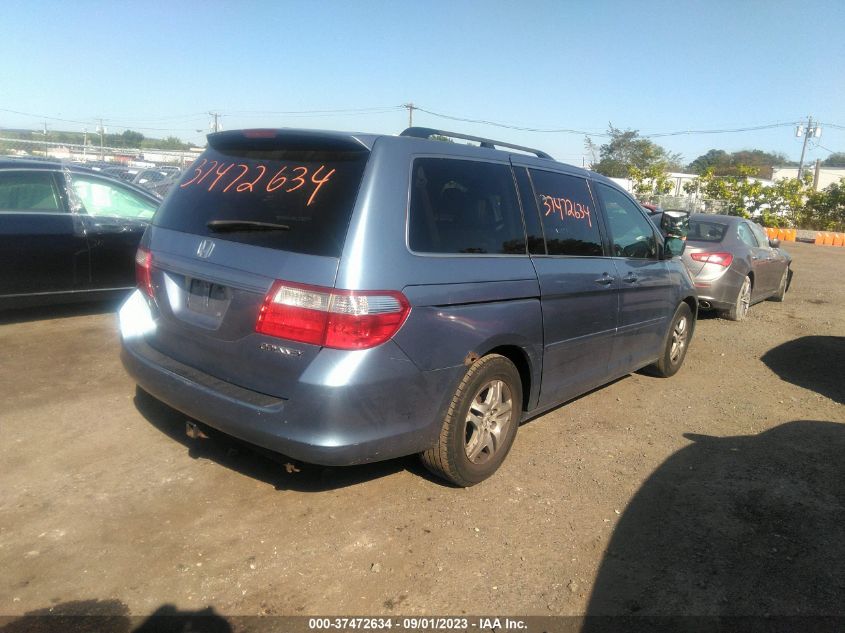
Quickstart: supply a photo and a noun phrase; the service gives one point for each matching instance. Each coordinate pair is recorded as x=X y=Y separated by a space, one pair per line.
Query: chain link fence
x=691 y=203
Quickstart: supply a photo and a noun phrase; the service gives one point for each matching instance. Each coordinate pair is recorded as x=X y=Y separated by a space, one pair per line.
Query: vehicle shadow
x=62 y=311
x=112 y=616
x=280 y=471
x=732 y=526
x=813 y=362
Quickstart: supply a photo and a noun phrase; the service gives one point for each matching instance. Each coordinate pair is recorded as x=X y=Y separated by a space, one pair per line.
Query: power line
x=508 y=126
x=378 y=110
x=754 y=128
x=128 y=122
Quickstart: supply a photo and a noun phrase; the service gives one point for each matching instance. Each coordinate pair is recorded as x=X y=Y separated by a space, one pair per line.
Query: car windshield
x=706 y=231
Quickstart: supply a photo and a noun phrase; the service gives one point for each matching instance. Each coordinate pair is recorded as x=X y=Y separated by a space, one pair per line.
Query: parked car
x=351 y=298
x=161 y=187
x=67 y=233
x=735 y=264
x=148 y=177
x=121 y=173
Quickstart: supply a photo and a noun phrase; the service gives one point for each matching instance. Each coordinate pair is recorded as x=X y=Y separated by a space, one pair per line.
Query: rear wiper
x=225 y=226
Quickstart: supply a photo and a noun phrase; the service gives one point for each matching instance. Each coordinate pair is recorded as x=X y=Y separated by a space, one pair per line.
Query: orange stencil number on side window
x=566 y=208
x=239 y=178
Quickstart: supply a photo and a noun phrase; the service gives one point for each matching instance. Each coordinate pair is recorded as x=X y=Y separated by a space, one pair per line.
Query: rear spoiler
x=286 y=139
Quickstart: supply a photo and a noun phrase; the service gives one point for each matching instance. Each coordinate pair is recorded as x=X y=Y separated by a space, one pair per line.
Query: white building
x=826 y=175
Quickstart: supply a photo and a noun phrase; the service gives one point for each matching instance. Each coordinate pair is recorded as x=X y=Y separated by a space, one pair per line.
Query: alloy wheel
x=487 y=421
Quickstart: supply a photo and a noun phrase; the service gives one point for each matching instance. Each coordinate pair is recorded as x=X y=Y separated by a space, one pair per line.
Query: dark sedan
x=67 y=233
x=734 y=264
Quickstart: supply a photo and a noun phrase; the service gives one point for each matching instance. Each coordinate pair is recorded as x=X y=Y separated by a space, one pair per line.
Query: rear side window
x=295 y=200
x=704 y=231
x=568 y=214
x=102 y=198
x=28 y=191
x=464 y=206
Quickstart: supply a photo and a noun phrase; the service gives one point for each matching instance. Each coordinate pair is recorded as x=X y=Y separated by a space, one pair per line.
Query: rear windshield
x=297 y=200
x=705 y=231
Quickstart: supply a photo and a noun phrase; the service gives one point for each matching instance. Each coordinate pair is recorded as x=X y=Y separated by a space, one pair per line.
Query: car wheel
x=677 y=342
x=781 y=291
x=739 y=310
x=480 y=424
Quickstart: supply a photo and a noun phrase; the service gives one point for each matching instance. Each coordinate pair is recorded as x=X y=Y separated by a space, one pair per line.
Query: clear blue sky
x=647 y=65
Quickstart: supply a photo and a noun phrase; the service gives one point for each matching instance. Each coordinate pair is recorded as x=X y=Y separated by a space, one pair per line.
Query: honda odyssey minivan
x=347 y=298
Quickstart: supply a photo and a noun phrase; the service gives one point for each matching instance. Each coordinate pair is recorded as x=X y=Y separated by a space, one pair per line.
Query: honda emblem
x=205 y=248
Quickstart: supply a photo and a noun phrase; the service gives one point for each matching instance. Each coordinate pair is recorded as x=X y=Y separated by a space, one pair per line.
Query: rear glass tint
x=703 y=231
x=309 y=193
x=464 y=206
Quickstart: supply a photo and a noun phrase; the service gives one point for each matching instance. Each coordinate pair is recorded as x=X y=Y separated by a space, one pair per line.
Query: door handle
x=604 y=280
x=630 y=278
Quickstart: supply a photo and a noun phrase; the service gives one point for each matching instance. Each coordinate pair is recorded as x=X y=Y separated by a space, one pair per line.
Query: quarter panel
x=444 y=336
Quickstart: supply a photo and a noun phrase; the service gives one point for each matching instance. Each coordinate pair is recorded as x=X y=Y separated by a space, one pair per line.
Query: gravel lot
x=718 y=491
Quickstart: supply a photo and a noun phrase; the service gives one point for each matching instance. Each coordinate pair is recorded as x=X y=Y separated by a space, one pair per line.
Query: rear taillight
x=341 y=319
x=143 y=270
x=720 y=259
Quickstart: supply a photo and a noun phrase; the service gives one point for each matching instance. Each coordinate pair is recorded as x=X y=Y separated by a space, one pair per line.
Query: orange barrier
x=771 y=233
x=819 y=238
x=839 y=239
x=781 y=235
x=793 y=235
x=828 y=239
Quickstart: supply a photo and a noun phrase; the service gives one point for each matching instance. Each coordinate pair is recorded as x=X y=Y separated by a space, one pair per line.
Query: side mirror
x=774 y=243
x=674 y=247
x=675 y=223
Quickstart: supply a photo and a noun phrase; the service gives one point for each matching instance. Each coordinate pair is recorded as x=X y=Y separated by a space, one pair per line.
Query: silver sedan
x=734 y=265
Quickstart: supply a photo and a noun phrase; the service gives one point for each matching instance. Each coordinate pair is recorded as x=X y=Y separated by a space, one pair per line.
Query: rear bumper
x=354 y=407
x=719 y=293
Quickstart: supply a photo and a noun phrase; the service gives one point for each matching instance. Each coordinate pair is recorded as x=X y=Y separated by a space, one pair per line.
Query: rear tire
x=677 y=343
x=781 y=292
x=739 y=310
x=480 y=425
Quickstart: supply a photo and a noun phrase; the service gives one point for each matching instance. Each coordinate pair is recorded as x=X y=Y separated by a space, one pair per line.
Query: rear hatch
x=257 y=206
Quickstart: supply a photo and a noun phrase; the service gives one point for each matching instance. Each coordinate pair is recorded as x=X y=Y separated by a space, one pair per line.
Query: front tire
x=677 y=342
x=480 y=425
x=739 y=310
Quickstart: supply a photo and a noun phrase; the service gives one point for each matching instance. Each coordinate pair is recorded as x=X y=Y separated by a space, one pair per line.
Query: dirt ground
x=720 y=491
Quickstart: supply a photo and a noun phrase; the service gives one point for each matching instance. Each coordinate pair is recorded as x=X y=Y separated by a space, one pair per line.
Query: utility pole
x=46 y=148
x=215 y=121
x=102 y=131
x=84 y=144
x=411 y=109
x=810 y=130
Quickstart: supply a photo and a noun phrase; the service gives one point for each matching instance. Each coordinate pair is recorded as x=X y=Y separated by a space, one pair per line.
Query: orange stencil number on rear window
x=566 y=208
x=245 y=178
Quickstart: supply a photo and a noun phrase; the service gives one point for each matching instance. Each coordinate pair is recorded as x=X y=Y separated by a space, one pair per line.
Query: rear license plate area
x=207 y=298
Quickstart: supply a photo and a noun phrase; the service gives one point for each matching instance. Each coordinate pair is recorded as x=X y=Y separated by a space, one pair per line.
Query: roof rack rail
x=427 y=132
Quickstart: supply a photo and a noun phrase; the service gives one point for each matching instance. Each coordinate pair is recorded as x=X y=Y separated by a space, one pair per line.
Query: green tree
x=837 y=159
x=130 y=138
x=652 y=180
x=626 y=149
x=825 y=209
x=780 y=204
x=715 y=158
x=724 y=164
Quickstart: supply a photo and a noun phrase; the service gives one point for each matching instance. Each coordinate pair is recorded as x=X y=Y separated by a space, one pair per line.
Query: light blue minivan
x=347 y=298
